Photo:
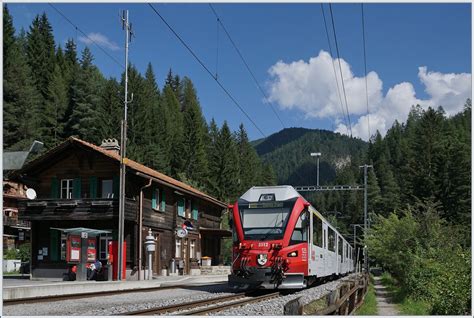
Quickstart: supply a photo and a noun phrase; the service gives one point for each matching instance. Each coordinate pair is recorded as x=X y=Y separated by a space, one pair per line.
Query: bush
x=24 y=252
x=423 y=253
x=10 y=254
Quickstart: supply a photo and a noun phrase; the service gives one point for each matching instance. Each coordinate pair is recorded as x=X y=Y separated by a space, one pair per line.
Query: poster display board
x=91 y=249
x=74 y=247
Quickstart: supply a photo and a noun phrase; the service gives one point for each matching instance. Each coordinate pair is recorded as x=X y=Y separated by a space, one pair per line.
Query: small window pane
x=300 y=233
x=66 y=188
x=317 y=231
x=107 y=189
x=178 y=248
x=331 y=240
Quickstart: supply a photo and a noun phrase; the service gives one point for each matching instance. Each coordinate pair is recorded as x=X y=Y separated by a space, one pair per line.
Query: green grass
x=370 y=303
x=405 y=304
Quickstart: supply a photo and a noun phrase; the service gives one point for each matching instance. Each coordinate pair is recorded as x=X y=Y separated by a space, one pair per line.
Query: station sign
x=180 y=232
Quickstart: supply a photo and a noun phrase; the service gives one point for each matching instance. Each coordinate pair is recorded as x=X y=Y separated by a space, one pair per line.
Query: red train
x=281 y=241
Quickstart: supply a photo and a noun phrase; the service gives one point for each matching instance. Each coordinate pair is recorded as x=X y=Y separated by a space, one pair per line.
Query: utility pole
x=123 y=151
x=355 y=236
x=317 y=155
x=366 y=261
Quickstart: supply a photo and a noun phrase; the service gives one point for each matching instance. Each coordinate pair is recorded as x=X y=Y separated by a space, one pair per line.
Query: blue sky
x=400 y=39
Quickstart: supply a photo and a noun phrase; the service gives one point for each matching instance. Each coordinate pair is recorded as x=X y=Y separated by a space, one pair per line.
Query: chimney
x=111 y=144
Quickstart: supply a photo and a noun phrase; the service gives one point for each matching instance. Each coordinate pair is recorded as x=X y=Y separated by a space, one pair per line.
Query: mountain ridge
x=288 y=151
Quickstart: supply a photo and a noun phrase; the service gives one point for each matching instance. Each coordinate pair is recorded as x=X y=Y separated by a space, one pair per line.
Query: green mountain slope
x=288 y=151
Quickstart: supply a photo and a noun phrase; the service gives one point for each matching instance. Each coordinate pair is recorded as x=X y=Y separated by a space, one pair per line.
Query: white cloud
x=311 y=88
x=100 y=39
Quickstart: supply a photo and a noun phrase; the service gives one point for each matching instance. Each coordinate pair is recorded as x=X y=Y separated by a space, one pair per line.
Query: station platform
x=27 y=289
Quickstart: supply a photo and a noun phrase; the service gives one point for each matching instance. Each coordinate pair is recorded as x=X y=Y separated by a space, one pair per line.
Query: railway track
x=206 y=306
x=32 y=300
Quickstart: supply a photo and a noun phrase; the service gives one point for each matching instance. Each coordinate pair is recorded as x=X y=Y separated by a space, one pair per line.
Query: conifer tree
x=40 y=52
x=110 y=111
x=85 y=98
x=173 y=130
x=248 y=161
x=52 y=118
x=223 y=164
x=20 y=97
x=148 y=117
x=194 y=147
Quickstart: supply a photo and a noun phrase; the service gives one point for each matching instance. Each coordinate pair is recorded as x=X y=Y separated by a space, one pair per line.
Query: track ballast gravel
x=122 y=303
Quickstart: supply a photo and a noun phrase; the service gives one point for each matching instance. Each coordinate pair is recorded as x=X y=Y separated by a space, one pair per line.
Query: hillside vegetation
x=53 y=92
x=288 y=151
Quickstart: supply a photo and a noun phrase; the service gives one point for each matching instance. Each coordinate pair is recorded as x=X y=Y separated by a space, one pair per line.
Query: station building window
x=178 y=248
x=192 y=249
x=158 y=200
x=104 y=240
x=66 y=188
x=107 y=189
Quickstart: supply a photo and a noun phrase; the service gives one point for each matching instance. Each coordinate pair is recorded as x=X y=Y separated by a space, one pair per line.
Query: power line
x=206 y=68
x=78 y=29
x=215 y=79
x=217 y=47
x=365 y=68
x=340 y=69
x=246 y=64
x=334 y=69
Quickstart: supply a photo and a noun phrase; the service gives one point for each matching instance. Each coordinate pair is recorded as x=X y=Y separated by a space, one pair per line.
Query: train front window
x=264 y=221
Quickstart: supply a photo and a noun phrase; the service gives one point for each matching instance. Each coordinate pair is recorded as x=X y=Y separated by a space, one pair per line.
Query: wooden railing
x=342 y=301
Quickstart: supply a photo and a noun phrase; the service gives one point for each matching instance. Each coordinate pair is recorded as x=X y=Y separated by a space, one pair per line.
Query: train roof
x=281 y=192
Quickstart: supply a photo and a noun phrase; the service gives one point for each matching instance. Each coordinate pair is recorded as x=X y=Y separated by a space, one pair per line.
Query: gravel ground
x=110 y=305
x=274 y=307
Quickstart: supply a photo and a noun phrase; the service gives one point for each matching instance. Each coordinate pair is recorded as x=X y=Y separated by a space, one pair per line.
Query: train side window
x=340 y=248
x=317 y=231
x=331 y=240
x=300 y=233
x=325 y=244
x=234 y=231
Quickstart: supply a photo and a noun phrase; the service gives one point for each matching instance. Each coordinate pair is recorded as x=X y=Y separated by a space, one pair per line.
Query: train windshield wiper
x=267 y=234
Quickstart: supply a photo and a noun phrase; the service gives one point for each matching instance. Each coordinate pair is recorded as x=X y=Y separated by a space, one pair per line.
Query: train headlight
x=293 y=254
x=262 y=259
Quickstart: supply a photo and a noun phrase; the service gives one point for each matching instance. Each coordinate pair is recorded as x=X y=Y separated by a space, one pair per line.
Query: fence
x=342 y=301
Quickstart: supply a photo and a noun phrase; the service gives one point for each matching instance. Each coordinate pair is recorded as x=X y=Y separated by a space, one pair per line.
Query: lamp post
x=317 y=155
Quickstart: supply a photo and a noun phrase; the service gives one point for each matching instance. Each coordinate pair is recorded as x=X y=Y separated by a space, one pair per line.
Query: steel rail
x=184 y=306
x=222 y=307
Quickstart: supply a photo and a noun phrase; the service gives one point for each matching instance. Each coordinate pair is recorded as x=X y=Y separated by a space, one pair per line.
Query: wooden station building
x=77 y=185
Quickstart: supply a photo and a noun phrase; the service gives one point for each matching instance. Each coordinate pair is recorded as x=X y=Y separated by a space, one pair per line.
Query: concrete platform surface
x=21 y=288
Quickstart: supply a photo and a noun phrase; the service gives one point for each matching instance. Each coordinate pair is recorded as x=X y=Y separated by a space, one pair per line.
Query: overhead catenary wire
x=340 y=68
x=92 y=40
x=334 y=69
x=207 y=69
x=246 y=64
x=215 y=79
x=365 y=70
x=217 y=47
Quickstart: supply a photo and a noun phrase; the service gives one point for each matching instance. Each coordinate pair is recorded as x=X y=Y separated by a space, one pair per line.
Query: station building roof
x=142 y=170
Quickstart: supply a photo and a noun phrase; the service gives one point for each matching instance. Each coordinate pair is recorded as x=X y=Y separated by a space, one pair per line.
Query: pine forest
x=51 y=93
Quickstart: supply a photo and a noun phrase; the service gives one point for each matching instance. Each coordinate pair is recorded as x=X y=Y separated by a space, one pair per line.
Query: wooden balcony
x=13 y=221
x=75 y=209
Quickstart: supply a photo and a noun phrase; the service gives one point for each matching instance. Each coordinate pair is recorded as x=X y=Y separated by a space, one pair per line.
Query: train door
x=317 y=250
x=326 y=262
x=186 y=257
x=340 y=258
